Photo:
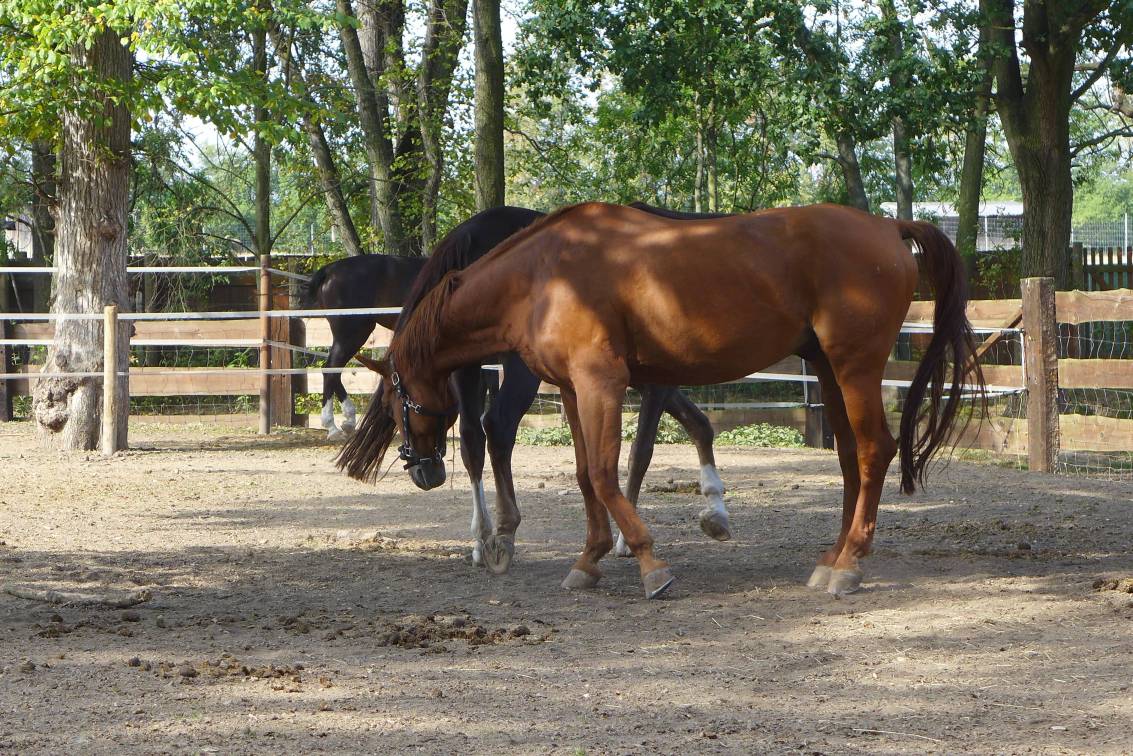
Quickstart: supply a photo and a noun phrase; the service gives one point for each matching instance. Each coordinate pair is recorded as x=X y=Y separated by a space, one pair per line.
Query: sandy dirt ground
x=293 y=610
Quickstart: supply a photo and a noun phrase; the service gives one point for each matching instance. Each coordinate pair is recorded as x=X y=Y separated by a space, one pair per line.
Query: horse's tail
x=311 y=292
x=950 y=356
x=363 y=452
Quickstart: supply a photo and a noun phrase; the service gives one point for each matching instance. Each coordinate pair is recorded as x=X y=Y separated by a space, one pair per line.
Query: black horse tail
x=311 y=293
x=950 y=361
x=361 y=456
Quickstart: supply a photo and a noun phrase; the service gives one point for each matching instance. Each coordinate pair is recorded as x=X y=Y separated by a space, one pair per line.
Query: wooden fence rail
x=1038 y=312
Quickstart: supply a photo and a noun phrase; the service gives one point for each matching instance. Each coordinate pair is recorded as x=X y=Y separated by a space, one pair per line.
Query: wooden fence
x=1047 y=369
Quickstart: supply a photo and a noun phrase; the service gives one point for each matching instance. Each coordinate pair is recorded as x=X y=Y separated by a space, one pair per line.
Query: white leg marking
x=349 y=415
x=328 y=420
x=620 y=548
x=714 y=517
x=481 y=521
x=712 y=488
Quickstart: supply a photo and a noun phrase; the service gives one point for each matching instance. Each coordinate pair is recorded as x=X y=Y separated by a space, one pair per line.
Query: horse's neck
x=476 y=319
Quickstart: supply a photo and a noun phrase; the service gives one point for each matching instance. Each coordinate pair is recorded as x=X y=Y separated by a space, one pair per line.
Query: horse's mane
x=453 y=252
x=519 y=236
x=419 y=326
x=416 y=337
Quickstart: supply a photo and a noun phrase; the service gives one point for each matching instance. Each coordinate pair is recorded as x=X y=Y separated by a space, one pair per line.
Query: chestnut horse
x=597 y=297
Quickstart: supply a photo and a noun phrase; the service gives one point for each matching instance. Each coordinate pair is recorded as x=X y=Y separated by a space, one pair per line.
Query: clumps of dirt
x=427 y=632
x=55 y=627
x=285 y=677
x=1121 y=585
x=674 y=486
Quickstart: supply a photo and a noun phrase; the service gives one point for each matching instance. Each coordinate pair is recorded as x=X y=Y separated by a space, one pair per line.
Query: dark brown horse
x=597 y=297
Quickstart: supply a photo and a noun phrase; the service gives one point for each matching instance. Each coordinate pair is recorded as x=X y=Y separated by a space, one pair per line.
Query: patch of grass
x=671 y=432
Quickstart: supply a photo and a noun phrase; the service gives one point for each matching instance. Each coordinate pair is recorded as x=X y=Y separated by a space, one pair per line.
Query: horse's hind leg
x=585 y=572
x=470 y=392
x=714 y=517
x=501 y=422
x=653 y=400
x=347 y=339
x=860 y=380
x=835 y=409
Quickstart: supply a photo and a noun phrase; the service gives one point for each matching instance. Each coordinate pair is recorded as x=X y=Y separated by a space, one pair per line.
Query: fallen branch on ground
x=113 y=600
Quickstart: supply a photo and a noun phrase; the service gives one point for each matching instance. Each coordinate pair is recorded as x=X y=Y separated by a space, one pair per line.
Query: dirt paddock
x=293 y=610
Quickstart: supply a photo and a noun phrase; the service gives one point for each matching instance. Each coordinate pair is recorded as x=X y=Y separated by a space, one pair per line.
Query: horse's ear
x=381 y=367
x=454 y=280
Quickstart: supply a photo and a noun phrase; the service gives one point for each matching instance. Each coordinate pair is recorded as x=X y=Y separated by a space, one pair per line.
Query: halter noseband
x=406 y=452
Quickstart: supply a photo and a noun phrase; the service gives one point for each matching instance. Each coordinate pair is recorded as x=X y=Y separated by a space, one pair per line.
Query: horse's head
x=421 y=413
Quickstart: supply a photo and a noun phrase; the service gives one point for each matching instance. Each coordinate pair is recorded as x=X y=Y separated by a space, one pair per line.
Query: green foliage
x=558 y=435
x=762 y=435
x=671 y=432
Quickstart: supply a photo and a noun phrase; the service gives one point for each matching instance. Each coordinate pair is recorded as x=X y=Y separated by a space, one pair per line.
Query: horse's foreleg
x=600 y=396
x=714 y=517
x=653 y=399
x=470 y=393
x=585 y=572
x=501 y=422
x=835 y=408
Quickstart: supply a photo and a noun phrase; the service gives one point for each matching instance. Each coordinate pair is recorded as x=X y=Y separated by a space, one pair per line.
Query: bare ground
x=294 y=610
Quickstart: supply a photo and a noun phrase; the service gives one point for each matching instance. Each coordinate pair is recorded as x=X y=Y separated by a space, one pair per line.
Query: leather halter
x=406 y=452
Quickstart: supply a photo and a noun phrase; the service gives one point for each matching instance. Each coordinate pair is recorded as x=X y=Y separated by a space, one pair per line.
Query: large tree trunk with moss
x=90 y=254
x=489 y=146
x=1036 y=120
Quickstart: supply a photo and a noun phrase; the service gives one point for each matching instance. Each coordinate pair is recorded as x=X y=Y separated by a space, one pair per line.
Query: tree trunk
x=261 y=151
x=1036 y=122
x=373 y=113
x=443 y=37
x=90 y=253
x=320 y=152
x=975 y=146
x=43 y=199
x=698 y=180
x=710 y=160
x=851 y=170
x=489 y=146
x=332 y=187
x=903 y=165
x=898 y=82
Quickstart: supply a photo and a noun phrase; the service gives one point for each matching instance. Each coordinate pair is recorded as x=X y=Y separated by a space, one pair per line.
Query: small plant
x=553 y=436
x=761 y=435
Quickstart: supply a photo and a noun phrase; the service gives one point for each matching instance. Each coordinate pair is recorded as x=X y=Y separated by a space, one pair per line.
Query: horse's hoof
x=715 y=525
x=335 y=435
x=657 y=582
x=621 y=549
x=498 y=551
x=820 y=578
x=579 y=580
x=478 y=554
x=843 y=582
x=348 y=429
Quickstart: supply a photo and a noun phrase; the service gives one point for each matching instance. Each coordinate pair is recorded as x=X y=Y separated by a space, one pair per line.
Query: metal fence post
x=109 y=440
x=1040 y=370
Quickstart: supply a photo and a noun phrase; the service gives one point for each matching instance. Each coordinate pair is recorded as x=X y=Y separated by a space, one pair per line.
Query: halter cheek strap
x=406 y=451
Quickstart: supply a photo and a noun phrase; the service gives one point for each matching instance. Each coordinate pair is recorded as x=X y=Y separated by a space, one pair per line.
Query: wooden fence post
x=109 y=440
x=1040 y=370
x=818 y=433
x=5 y=352
x=265 y=347
x=296 y=336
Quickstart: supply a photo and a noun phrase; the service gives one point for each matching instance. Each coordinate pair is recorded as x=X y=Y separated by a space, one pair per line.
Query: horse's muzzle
x=428 y=473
